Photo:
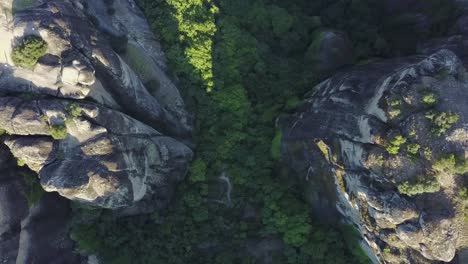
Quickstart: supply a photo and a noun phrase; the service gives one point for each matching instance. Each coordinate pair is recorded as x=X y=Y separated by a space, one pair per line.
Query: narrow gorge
x=233 y=131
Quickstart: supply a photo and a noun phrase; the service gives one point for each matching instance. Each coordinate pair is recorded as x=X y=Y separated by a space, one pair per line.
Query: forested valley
x=240 y=64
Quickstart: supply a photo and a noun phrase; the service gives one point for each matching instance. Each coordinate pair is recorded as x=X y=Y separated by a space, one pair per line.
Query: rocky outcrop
x=84 y=118
x=105 y=158
x=387 y=144
x=81 y=63
x=87 y=122
x=140 y=50
x=31 y=230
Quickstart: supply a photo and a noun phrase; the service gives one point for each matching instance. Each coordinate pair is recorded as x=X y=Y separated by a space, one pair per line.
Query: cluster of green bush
x=28 y=52
x=58 y=132
x=429 y=98
x=419 y=186
x=394 y=145
x=413 y=149
x=442 y=121
x=451 y=164
x=73 y=110
x=240 y=64
x=463 y=193
x=190 y=28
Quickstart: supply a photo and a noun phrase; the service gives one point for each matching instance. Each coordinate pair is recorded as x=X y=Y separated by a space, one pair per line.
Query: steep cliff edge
x=392 y=140
x=90 y=113
x=80 y=116
x=33 y=224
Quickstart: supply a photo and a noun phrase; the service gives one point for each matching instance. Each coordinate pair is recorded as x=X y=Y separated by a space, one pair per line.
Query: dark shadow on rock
x=37 y=234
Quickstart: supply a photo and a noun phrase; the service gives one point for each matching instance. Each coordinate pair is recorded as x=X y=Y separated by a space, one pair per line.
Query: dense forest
x=240 y=64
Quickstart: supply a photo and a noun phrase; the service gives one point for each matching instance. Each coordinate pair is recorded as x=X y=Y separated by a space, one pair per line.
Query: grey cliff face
x=31 y=233
x=84 y=122
x=107 y=158
x=84 y=118
x=372 y=129
x=80 y=63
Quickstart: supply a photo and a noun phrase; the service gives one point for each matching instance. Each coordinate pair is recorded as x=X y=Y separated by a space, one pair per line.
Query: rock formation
x=97 y=120
x=82 y=118
x=387 y=143
x=33 y=224
x=106 y=158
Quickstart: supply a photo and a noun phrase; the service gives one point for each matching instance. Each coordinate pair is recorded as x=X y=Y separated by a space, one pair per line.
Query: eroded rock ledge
x=392 y=140
x=106 y=158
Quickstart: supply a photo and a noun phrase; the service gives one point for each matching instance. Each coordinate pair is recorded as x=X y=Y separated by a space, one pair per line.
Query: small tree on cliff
x=29 y=51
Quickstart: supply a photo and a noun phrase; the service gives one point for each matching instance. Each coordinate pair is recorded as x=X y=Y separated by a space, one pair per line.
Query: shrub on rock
x=58 y=132
x=29 y=51
x=420 y=186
